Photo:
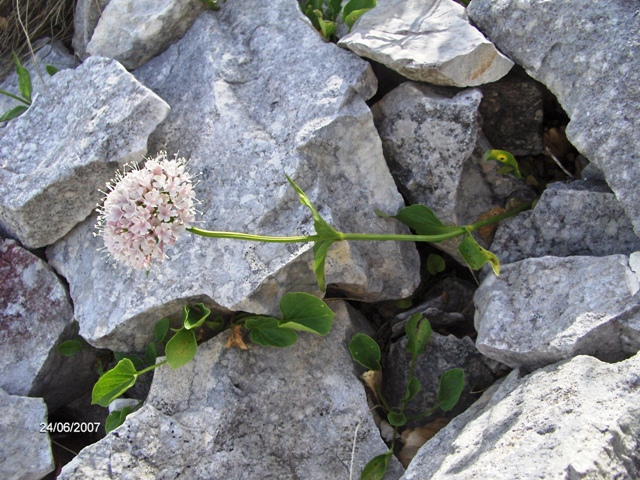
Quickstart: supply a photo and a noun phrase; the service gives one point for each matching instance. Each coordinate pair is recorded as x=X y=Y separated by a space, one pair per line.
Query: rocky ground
x=399 y=111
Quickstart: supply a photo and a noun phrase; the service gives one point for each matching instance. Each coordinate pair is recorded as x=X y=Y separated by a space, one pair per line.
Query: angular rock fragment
x=428 y=41
x=234 y=413
x=542 y=310
x=586 y=58
x=25 y=451
x=577 y=218
x=236 y=114
x=575 y=419
x=56 y=156
x=134 y=31
x=35 y=317
x=85 y=19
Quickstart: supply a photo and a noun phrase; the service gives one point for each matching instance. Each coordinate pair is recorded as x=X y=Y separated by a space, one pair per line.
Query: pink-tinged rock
x=35 y=317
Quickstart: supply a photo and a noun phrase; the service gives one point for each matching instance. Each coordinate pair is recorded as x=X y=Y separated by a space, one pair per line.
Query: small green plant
x=366 y=352
x=324 y=13
x=301 y=312
x=508 y=161
x=25 y=87
x=213 y=4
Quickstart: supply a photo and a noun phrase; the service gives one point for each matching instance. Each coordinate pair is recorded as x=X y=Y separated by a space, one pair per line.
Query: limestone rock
x=442 y=353
x=134 y=31
x=257 y=413
x=46 y=52
x=428 y=41
x=430 y=140
x=235 y=112
x=85 y=19
x=55 y=157
x=25 y=452
x=542 y=310
x=562 y=45
x=35 y=317
x=575 y=419
x=577 y=218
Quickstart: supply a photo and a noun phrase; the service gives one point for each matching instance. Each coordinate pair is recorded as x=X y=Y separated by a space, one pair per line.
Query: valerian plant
x=366 y=352
x=324 y=14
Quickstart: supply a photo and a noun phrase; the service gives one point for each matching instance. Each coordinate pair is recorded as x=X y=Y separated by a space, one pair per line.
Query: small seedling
x=366 y=352
x=324 y=14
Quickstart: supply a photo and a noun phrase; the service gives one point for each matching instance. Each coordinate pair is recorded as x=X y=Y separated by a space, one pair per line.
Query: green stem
x=15 y=97
x=148 y=369
x=455 y=232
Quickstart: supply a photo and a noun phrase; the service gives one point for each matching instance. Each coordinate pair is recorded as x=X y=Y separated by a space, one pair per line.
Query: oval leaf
x=506 y=159
x=302 y=311
x=150 y=354
x=114 y=383
x=422 y=220
x=137 y=361
x=396 y=419
x=377 y=467
x=418 y=330
x=181 y=348
x=13 y=113
x=451 y=383
x=70 y=347
x=476 y=256
x=116 y=418
x=413 y=387
x=435 y=264
x=265 y=331
x=161 y=329
x=24 y=79
x=365 y=351
x=194 y=316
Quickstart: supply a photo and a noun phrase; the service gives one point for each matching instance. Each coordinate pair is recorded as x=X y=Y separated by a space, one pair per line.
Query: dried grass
x=22 y=22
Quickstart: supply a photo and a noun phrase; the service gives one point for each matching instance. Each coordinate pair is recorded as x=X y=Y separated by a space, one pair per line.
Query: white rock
x=428 y=41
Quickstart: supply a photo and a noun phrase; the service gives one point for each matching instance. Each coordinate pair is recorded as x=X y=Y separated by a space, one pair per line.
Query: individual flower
x=145 y=210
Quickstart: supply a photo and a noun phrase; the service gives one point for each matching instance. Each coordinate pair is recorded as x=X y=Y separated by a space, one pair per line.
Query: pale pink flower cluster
x=146 y=210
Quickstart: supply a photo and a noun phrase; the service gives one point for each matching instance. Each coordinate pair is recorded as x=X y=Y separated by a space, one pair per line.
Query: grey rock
x=575 y=419
x=85 y=19
x=427 y=41
x=542 y=310
x=25 y=452
x=442 y=353
x=577 y=218
x=512 y=113
x=256 y=413
x=598 y=87
x=35 y=317
x=134 y=31
x=46 y=52
x=101 y=117
x=430 y=140
x=235 y=114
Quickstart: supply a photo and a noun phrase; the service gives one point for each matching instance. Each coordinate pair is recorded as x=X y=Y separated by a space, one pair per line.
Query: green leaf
x=418 y=330
x=322 y=228
x=24 y=79
x=161 y=329
x=267 y=332
x=435 y=264
x=70 y=347
x=114 y=383
x=327 y=28
x=194 y=316
x=335 y=6
x=354 y=9
x=365 y=351
x=302 y=311
x=451 y=383
x=506 y=159
x=116 y=418
x=15 y=112
x=377 y=467
x=421 y=219
x=150 y=354
x=320 y=250
x=51 y=70
x=181 y=348
x=396 y=419
x=137 y=361
x=413 y=387
x=476 y=256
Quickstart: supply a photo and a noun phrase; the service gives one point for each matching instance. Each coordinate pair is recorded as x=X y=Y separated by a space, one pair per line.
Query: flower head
x=146 y=209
